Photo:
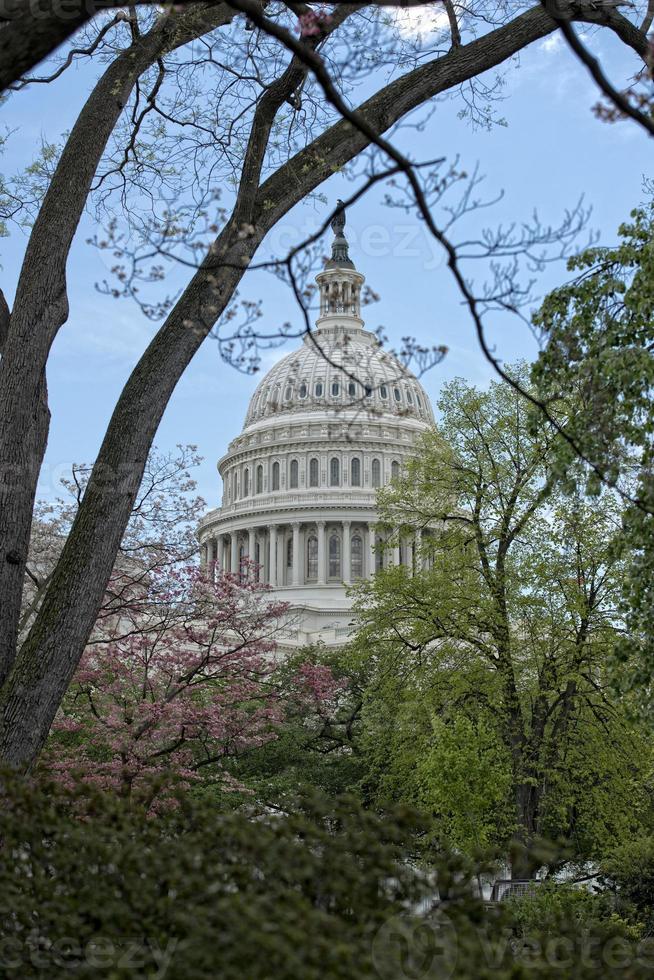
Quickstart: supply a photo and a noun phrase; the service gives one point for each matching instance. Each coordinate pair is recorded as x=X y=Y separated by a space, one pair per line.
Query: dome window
x=395 y=470
x=312 y=558
x=376 y=473
x=303 y=390
x=383 y=391
x=246 y=482
x=334 y=472
x=319 y=389
x=352 y=389
x=356 y=562
x=397 y=394
x=409 y=397
x=334 y=556
x=259 y=479
x=275 y=476
x=294 y=474
x=335 y=389
x=355 y=472
x=288 y=394
x=313 y=473
x=368 y=391
x=418 y=401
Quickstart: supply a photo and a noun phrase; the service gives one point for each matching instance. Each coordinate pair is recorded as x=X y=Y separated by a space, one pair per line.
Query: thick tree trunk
x=52 y=650
x=41 y=308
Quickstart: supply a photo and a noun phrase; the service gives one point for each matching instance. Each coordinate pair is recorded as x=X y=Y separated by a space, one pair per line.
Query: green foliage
x=204 y=894
x=489 y=700
x=327 y=890
x=629 y=869
x=552 y=909
x=317 y=746
x=596 y=374
x=465 y=777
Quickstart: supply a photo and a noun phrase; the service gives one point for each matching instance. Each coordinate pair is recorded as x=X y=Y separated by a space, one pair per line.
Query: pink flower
x=312 y=23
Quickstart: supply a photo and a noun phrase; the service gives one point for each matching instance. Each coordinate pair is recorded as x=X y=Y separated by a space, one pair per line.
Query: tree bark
x=56 y=641
x=41 y=304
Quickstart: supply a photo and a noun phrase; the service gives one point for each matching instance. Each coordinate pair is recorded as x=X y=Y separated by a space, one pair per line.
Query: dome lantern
x=340 y=283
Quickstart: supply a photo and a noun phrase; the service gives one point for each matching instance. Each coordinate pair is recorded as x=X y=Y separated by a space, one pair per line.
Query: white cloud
x=419 y=21
x=552 y=44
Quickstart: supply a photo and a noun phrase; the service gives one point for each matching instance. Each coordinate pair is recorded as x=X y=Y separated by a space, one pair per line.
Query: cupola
x=340 y=284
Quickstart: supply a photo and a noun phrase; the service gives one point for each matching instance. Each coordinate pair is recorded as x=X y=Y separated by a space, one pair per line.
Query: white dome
x=339 y=368
x=327 y=426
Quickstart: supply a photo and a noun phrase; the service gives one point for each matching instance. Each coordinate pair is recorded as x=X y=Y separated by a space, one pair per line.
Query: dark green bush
x=328 y=890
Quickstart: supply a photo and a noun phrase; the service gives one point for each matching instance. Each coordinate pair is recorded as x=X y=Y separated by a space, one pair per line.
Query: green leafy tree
x=597 y=372
x=490 y=660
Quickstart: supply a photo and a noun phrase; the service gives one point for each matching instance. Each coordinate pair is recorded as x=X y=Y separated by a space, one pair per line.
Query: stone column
x=347 y=553
x=371 y=551
x=223 y=553
x=233 y=559
x=272 y=579
x=322 y=568
x=296 y=553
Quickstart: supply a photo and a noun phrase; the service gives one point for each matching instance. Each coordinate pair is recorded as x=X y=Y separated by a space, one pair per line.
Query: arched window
x=334 y=472
x=357 y=556
x=418 y=400
x=319 y=389
x=352 y=389
x=314 y=473
x=289 y=553
x=395 y=470
x=288 y=394
x=397 y=394
x=409 y=396
x=383 y=391
x=376 y=473
x=312 y=558
x=275 y=476
x=334 y=556
x=294 y=475
x=355 y=472
x=259 y=479
x=335 y=388
x=234 y=486
x=368 y=391
x=246 y=482
x=302 y=390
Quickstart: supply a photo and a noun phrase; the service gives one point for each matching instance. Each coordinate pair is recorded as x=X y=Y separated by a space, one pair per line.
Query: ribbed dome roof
x=339 y=368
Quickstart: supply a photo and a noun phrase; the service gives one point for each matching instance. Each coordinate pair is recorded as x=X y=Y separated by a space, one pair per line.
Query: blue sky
x=551 y=151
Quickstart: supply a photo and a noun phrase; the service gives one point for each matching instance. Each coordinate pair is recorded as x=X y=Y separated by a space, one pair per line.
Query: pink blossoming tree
x=167 y=693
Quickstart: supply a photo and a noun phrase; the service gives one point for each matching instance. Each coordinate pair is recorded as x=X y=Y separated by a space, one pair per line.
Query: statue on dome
x=338 y=221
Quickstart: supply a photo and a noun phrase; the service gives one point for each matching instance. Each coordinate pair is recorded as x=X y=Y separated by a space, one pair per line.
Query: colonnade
x=303 y=553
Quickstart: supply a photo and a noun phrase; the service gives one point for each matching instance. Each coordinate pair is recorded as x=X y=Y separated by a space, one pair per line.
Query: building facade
x=326 y=427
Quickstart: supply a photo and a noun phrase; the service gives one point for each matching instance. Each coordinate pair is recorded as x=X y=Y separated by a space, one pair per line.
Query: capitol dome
x=326 y=427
